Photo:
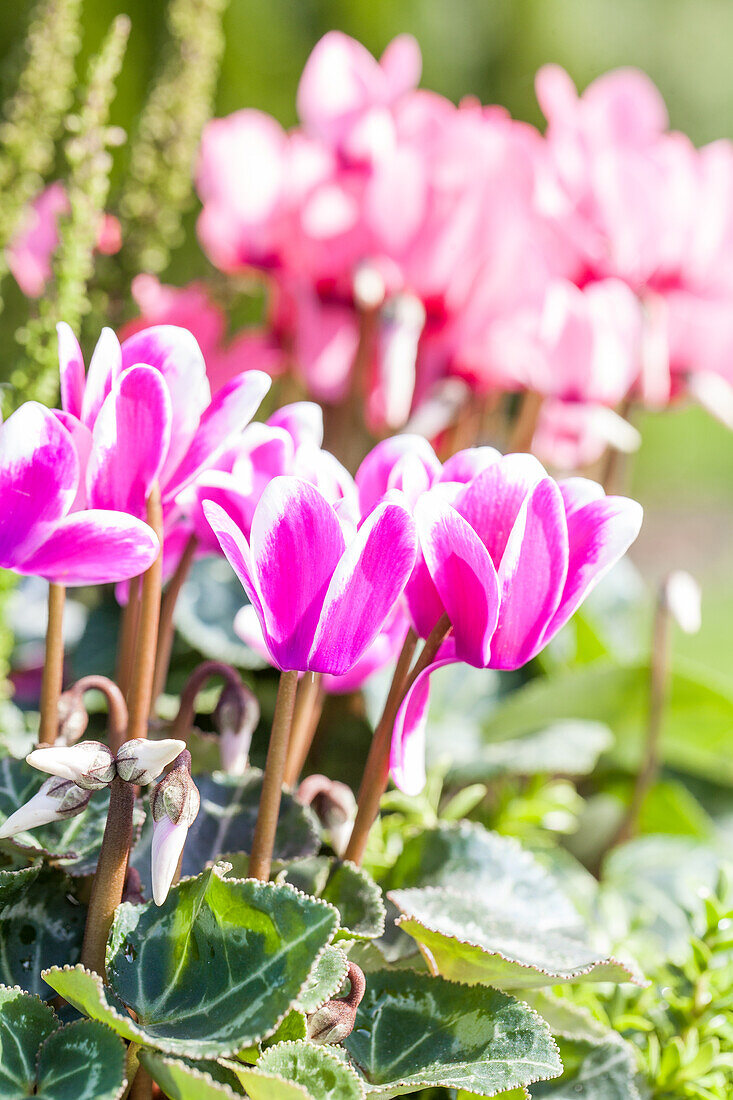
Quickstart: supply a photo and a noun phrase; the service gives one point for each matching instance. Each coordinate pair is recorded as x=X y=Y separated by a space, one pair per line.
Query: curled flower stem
x=524 y=426
x=376 y=771
x=116 y=705
x=263 y=843
x=128 y=636
x=308 y=708
x=141 y=688
x=53 y=668
x=167 y=608
x=109 y=879
x=207 y=670
x=659 y=679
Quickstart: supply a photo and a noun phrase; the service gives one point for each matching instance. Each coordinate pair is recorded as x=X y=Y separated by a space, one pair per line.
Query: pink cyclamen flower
x=144 y=413
x=321 y=600
x=40 y=533
x=30 y=251
x=192 y=308
x=509 y=560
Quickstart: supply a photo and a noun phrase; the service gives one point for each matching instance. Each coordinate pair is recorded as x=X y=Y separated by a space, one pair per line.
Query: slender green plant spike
x=163 y=153
x=34 y=115
x=89 y=164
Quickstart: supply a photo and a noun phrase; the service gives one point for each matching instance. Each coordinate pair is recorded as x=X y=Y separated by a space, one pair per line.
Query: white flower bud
x=236 y=716
x=166 y=848
x=333 y=804
x=90 y=764
x=142 y=761
x=56 y=800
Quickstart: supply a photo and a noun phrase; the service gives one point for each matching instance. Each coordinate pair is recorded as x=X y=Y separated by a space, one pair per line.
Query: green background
x=684 y=472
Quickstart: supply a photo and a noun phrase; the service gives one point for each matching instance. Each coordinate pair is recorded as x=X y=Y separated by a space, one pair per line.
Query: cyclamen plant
x=175 y=921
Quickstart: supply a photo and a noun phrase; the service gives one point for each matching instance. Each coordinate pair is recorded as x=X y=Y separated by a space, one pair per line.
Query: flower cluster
x=463 y=243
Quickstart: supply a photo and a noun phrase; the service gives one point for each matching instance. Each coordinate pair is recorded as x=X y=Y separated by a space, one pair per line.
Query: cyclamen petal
x=39 y=477
x=368 y=580
x=131 y=438
x=296 y=543
x=104 y=369
x=463 y=574
x=231 y=409
x=71 y=366
x=532 y=575
x=165 y=851
x=236 y=550
x=493 y=500
x=407 y=754
x=599 y=533
x=93 y=547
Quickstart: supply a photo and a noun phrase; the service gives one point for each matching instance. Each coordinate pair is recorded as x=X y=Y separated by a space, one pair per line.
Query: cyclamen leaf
x=319 y=1070
x=354 y=893
x=325 y=979
x=25 y=1023
x=41 y=925
x=205 y=611
x=565 y=1019
x=217 y=966
x=466 y=943
x=508 y=880
x=38 y=1057
x=292 y=1028
x=415 y=1031
x=183 y=1080
x=593 y=1072
x=562 y=748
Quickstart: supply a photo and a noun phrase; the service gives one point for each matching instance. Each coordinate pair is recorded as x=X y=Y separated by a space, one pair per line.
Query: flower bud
x=90 y=764
x=235 y=717
x=56 y=800
x=177 y=796
x=333 y=804
x=684 y=600
x=175 y=803
x=73 y=718
x=334 y=1021
x=142 y=761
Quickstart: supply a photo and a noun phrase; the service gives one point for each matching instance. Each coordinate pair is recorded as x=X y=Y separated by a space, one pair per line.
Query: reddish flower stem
x=53 y=668
x=141 y=687
x=308 y=708
x=260 y=859
x=128 y=637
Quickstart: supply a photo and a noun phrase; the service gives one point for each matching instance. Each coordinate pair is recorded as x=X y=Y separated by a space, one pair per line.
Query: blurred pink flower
x=30 y=251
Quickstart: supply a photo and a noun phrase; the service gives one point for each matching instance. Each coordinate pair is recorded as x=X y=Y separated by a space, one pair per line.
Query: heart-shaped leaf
x=354 y=893
x=325 y=979
x=413 y=1031
x=562 y=748
x=38 y=1057
x=565 y=1019
x=493 y=869
x=211 y=971
x=319 y=1070
x=465 y=942
x=41 y=924
x=602 y=1071
x=225 y=825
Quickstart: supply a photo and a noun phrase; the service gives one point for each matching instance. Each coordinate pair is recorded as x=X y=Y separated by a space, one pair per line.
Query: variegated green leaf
x=84 y=1061
x=465 y=942
x=181 y=1080
x=319 y=1070
x=41 y=924
x=88 y=994
x=414 y=1031
x=354 y=893
x=595 y=1071
x=215 y=968
x=324 y=980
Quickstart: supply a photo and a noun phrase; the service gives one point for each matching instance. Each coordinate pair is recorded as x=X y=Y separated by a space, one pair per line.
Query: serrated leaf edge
x=325 y=1052
x=634 y=976
x=345 y=967
x=89 y=1020
x=197 y=1074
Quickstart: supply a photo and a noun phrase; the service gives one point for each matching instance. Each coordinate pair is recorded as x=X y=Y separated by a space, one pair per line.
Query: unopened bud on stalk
x=142 y=761
x=235 y=718
x=175 y=803
x=90 y=764
x=333 y=804
x=73 y=718
x=334 y=1021
x=56 y=800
